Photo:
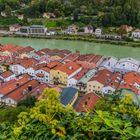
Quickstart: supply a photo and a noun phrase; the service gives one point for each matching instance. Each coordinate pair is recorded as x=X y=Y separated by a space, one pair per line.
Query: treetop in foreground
x=48 y=119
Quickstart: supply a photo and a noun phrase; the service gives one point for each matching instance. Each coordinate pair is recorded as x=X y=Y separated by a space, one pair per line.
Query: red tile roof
x=4 y=58
x=68 y=68
x=39 y=66
x=11 y=86
x=53 y=64
x=60 y=53
x=129 y=79
x=86 y=57
x=40 y=75
x=103 y=76
x=80 y=74
x=87 y=102
x=27 y=49
x=19 y=94
x=46 y=69
x=39 y=53
x=115 y=80
x=96 y=58
x=6 y=74
x=72 y=57
x=91 y=58
x=38 y=91
x=45 y=50
x=25 y=62
x=11 y=48
x=137 y=30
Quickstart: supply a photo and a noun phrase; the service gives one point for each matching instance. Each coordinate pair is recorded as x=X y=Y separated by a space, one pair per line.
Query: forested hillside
x=95 y=12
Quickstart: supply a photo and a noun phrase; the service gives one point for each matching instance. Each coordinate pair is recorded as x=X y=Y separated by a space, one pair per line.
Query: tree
x=113 y=118
x=28 y=102
x=7 y=10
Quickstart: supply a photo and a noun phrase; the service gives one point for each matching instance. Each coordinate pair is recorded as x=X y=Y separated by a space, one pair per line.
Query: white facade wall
x=107 y=90
x=135 y=35
x=17 y=69
x=30 y=71
x=98 y=31
x=45 y=79
x=109 y=64
x=127 y=64
x=72 y=82
x=8 y=101
x=8 y=78
x=126 y=67
x=35 y=56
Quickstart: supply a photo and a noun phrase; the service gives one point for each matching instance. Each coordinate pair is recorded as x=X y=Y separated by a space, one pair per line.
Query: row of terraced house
x=24 y=70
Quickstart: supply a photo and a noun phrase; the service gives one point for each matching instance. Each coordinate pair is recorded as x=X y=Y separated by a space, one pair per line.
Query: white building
x=126 y=64
x=98 y=31
x=43 y=75
x=108 y=90
x=37 y=55
x=3 y=14
x=21 y=17
x=34 y=30
x=88 y=30
x=112 y=84
x=7 y=76
x=24 y=66
x=108 y=63
x=30 y=71
x=72 y=82
x=17 y=69
x=136 y=33
x=14 y=28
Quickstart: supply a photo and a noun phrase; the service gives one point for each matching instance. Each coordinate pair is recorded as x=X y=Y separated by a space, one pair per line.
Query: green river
x=83 y=47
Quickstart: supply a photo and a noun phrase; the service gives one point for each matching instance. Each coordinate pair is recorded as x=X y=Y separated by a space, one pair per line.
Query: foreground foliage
x=113 y=118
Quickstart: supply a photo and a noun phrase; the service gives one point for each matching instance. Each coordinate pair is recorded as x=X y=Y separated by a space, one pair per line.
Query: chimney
x=17 y=84
x=29 y=88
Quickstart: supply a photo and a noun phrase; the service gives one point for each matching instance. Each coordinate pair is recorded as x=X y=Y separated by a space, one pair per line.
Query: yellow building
x=97 y=82
x=55 y=57
x=61 y=74
x=94 y=86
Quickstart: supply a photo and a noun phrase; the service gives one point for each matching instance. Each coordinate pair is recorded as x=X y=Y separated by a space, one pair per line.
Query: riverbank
x=87 y=38
x=84 y=47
